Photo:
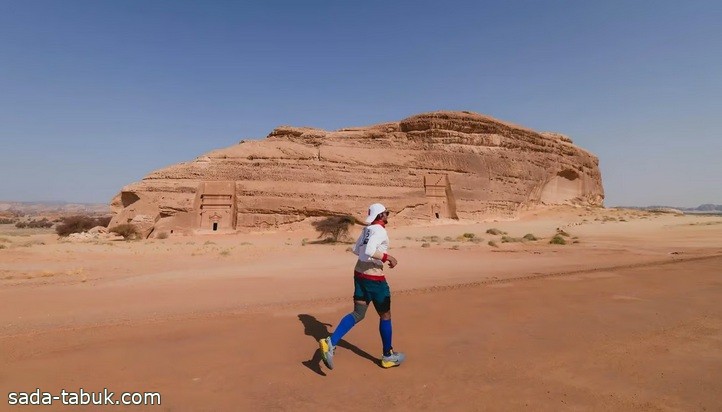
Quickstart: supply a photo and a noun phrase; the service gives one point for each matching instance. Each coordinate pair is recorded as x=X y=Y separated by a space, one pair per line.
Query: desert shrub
x=469 y=235
x=426 y=245
x=32 y=243
x=128 y=231
x=455 y=247
x=225 y=252
x=43 y=223
x=335 y=227
x=561 y=232
x=509 y=239
x=492 y=244
x=448 y=239
x=21 y=225
x=530 y=236
x=494 y=231
x=558 y=240
x=75 y=224
x=162 y=235
x=103 y=221
x=6 y=221
x=2 y=246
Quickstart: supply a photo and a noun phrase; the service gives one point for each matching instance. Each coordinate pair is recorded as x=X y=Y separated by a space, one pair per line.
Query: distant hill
x=708 y=208
x=705 y=208
x=11 y=208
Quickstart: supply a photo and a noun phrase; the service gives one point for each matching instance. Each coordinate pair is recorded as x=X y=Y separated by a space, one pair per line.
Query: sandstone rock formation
x=433 y=165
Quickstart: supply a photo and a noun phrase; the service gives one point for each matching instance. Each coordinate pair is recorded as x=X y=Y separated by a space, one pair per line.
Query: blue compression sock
x=345 y=325
x=385 y=330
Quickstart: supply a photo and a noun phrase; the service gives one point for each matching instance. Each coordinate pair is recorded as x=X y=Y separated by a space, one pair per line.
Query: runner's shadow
x=318 y=330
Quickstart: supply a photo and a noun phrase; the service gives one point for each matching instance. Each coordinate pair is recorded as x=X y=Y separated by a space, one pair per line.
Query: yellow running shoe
x=393 y=359
x=327 y=351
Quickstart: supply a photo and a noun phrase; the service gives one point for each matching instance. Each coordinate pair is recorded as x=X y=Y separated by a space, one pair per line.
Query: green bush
x=492 y=244
x=558 y=240
x=469 y=235
x=530 y=236
x=494 y=231
x=509 y=239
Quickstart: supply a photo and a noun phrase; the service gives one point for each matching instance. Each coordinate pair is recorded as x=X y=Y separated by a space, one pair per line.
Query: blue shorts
x=376 y=291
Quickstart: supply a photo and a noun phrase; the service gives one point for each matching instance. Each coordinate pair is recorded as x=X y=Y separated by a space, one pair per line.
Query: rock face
x=429 y=166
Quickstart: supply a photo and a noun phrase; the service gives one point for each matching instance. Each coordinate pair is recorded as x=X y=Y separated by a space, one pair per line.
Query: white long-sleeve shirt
x=370 y=248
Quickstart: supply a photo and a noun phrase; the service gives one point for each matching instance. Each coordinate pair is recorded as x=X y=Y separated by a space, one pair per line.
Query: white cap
x=374 y=210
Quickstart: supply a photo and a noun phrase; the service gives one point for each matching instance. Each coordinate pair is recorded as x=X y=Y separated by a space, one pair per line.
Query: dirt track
x=630 y=319
x=639 y=338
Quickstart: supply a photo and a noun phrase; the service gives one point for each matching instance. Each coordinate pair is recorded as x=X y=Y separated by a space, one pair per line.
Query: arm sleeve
x=357 y=247
x=373 y=244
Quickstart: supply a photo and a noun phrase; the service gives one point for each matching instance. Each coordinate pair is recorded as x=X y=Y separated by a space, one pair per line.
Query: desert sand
x=625 y=316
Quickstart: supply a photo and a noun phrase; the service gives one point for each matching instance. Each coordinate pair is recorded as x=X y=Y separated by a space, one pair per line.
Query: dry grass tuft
x=128 y=231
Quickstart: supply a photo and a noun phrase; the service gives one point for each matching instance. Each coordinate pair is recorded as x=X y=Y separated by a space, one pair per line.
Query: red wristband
x=385 y=258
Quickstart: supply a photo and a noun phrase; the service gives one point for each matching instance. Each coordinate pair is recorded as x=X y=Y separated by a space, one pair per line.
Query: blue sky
x=96 y=94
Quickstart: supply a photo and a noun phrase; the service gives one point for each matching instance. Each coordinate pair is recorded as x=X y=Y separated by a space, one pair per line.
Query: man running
x=369 y=286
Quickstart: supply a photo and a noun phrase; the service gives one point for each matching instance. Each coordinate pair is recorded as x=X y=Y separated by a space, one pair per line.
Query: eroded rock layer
x=433 y=165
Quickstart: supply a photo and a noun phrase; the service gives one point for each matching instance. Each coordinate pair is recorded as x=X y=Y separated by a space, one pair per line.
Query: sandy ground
x=626 y=316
